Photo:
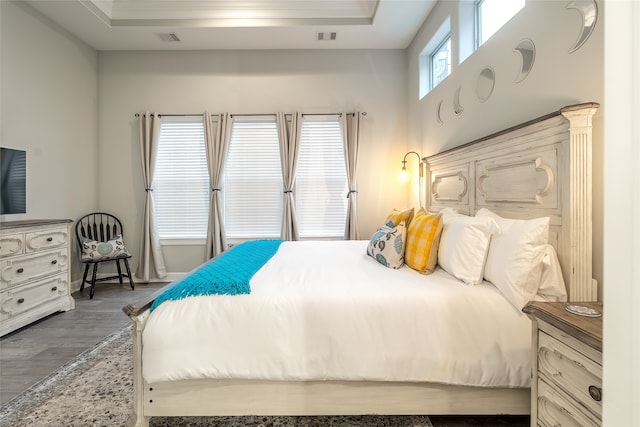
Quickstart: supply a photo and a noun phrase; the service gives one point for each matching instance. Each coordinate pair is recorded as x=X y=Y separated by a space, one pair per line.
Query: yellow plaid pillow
x=423 y=238
x=397 y=216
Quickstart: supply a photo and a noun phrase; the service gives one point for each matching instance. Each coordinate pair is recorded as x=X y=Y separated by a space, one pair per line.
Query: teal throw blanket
x=227 y=274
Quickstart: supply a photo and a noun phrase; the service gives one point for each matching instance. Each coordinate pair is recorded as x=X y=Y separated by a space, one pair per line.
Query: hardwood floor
x=29 y=354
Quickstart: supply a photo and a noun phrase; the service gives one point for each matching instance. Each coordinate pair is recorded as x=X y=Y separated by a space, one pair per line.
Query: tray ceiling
x=239 y=24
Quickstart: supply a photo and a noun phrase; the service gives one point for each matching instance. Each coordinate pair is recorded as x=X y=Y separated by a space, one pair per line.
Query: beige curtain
x=289 y=137
x=151 y=262
x=217 y=142
x=351 y=134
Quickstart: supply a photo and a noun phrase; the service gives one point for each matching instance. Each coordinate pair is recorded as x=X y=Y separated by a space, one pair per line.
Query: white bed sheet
x=324 y=310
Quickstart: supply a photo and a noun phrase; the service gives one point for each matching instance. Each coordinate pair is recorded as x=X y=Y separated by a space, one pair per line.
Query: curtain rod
x=252 y=114
x=288 y=114
x=172 y=115
x=364 y=113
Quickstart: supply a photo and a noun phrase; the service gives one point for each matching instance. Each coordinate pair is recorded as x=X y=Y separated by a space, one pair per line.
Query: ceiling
x=239 y=24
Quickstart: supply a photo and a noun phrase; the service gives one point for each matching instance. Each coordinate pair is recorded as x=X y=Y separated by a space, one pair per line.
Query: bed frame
x=538 y=168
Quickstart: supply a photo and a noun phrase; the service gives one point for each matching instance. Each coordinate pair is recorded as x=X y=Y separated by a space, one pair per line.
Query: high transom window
x=491 y=15
x=441 y=62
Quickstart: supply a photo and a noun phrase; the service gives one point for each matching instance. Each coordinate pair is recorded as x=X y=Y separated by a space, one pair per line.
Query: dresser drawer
x=11 y=244
x=556 y=409
x=16 y=301
x=14 y=271
x=579 y=376
x=48 y=239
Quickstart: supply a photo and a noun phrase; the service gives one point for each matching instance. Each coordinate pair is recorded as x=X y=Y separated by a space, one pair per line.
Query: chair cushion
x=93 y=250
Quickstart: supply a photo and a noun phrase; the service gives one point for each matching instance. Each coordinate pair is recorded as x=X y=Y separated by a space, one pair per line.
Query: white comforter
x=325 y=310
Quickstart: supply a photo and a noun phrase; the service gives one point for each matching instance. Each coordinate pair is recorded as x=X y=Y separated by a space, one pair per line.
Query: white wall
x=557 y=79
x=251 y=82
x=49 y=109
x=621 y=382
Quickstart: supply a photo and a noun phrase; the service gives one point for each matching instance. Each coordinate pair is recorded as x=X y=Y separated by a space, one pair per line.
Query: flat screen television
x=13 y=181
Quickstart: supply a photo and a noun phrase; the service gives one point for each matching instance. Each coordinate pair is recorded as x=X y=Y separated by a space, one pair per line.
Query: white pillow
x=514 y=261
x=449 y=212
x=552 y=287
x=464 y=245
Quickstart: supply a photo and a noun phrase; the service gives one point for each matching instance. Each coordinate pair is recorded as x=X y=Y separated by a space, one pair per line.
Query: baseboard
x=75 y=284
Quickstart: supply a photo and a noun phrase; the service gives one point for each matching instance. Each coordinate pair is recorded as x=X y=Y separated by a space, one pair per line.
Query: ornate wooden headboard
x=538 y=168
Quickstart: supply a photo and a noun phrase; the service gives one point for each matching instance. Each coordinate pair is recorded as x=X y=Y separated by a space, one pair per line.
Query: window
x=441 y=62
x=181 y=182
x=321 y=179
x=252 y=181
x=252 y=186
x=425 y=60
x=491 y=15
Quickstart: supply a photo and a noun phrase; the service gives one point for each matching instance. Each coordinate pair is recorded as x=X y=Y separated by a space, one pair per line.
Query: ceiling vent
x=169 y=37
x=326 y=35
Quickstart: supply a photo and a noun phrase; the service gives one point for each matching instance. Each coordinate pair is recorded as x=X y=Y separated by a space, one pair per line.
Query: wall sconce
x=404 y=174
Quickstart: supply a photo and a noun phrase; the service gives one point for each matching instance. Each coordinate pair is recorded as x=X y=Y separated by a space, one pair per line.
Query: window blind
x=321 y=179
x=252 y=187
x=181 y=180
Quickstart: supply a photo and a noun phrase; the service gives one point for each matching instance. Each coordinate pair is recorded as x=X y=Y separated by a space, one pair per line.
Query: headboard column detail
x=582 y=286
x=538 y=168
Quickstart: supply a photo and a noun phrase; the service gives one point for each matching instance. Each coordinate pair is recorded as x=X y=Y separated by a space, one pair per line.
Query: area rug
x=95 y=389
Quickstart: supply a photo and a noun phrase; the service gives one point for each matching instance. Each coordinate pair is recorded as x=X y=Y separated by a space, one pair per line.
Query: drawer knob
x=20 y=301
x=49 y=239
x=20 y=270
x=595 y=393
x=55 y=288
x=54 y=262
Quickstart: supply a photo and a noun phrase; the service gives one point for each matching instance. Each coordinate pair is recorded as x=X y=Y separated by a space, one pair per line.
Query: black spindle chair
x=101 y=227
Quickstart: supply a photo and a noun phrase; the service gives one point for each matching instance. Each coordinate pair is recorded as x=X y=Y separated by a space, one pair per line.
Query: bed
x=365 y=344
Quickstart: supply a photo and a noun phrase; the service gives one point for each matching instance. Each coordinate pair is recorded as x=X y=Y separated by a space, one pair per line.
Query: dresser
x=566 y=382
x=34 y=271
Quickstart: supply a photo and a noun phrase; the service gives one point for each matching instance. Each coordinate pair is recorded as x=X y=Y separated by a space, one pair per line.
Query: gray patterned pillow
x=387 y=245
x=92 y=250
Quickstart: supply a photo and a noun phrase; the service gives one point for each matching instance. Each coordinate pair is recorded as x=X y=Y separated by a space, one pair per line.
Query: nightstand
x=566 y=381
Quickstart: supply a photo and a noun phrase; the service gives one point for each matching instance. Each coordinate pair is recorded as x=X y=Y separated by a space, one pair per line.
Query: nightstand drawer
x=554 y=409
x=579 y=376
